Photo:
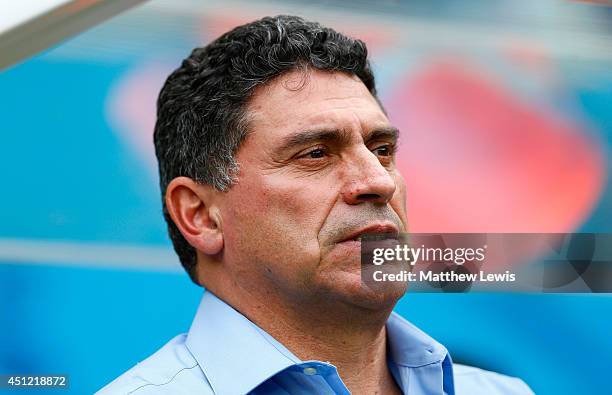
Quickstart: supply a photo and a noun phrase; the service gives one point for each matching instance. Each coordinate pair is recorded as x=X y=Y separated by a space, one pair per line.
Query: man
x=275 y=156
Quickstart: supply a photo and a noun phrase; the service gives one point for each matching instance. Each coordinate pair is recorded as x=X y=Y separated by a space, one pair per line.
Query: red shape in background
x=477 y=159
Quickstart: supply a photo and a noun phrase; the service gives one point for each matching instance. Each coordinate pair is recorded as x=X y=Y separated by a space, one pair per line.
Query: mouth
x=382 y=231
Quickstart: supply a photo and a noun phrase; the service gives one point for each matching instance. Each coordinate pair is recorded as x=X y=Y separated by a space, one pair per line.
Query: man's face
x=316 y=171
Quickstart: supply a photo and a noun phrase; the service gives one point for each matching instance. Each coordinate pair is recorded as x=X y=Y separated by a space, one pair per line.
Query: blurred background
x=505 y=109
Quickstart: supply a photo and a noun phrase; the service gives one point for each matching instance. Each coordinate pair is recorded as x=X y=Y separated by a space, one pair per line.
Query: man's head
x=273 y=152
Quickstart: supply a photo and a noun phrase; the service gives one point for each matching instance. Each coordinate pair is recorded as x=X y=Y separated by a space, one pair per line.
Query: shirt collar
x=426 y=364
x=221 y=337
x=410 y=346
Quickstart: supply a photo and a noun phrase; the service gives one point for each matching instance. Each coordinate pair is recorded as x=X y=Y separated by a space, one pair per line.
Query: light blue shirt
x=226 y=354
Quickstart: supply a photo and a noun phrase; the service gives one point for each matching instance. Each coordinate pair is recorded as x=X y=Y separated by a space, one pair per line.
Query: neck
x=351 y=338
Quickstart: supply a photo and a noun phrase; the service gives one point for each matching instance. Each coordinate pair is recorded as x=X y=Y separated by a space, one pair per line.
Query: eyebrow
x=337 y=136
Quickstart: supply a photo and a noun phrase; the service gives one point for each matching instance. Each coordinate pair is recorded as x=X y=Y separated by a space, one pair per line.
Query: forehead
x=313 y=99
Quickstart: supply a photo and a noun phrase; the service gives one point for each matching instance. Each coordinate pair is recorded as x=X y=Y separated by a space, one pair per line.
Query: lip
x=388 y=228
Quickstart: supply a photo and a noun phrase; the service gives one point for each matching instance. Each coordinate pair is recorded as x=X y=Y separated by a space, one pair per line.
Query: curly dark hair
x=202 y=107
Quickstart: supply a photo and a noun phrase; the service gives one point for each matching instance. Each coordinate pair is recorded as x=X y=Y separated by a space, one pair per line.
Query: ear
x=191 y=206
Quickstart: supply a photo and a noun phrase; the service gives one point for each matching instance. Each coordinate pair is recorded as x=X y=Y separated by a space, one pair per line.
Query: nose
x=367 y=180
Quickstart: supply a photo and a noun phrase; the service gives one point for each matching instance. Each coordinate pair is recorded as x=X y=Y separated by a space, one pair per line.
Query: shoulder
x=171 y=370
x=471 y=381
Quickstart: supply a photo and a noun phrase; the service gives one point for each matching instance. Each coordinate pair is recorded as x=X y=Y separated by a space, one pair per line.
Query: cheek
x=273 y=222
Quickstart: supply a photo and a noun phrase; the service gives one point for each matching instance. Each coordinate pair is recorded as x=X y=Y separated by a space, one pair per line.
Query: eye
x=316 y=153
x=384 y=150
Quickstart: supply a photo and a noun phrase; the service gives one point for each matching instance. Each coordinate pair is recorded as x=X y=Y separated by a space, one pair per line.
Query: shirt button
x=310 y=371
